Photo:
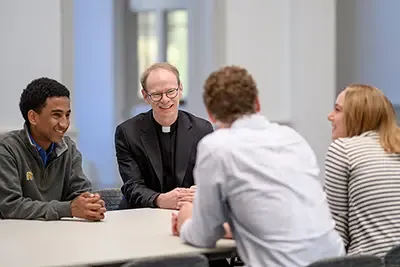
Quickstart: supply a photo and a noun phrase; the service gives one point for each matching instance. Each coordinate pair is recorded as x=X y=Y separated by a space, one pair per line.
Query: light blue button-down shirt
x=262 y=178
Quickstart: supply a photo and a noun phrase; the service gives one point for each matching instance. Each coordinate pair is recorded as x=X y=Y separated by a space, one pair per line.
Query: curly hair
x=230 y=93
x=34 y=96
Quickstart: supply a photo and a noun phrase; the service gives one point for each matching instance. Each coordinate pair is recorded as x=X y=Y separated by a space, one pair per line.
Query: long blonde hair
x=366 y=108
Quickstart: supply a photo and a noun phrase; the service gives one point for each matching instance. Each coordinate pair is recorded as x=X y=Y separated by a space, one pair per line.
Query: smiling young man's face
x=51 y=122
x=163 y=84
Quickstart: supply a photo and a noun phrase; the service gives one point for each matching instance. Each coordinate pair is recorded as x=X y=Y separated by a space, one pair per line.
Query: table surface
x=122 y=236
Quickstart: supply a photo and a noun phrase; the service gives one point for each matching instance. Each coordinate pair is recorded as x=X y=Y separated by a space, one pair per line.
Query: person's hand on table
x=88 y=206
x=180 y=217
x=170 y=199
x=187 y=196
x=174 y=224
x=177 y=220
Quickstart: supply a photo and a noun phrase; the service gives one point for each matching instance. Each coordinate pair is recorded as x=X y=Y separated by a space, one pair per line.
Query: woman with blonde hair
x=362 y=170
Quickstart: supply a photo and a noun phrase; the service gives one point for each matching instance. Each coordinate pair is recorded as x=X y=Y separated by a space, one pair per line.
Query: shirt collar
x=253 y=121
x=38 y=147
x=58 y=148
x=159 y=126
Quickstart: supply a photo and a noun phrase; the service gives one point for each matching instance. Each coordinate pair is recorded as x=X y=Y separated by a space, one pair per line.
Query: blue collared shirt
x=44 y=154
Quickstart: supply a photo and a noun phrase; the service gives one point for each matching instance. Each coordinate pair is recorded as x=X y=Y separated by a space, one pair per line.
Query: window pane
x=146 y=42
x=177 y=44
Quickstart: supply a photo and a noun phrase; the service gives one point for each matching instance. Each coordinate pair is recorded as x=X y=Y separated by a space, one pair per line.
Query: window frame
x=161 y=8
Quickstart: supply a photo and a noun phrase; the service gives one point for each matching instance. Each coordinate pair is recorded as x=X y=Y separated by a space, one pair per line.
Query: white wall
x=257 y=37
x=289 y=47
x=31 y=46
x=313 y=75
x=203 y=20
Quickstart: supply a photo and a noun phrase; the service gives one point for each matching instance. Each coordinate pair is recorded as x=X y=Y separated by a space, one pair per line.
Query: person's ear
x=32 y=117
x=257 y=105
x=180 y=89
x=211 y=117
x=145 y=96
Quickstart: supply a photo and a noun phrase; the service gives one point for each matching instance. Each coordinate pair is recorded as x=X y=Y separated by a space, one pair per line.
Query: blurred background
x=301 y=53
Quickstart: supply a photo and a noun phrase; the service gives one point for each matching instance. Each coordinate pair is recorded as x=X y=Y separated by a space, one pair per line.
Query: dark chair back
x=350 y=261
x=392 y=257
x=112 y=197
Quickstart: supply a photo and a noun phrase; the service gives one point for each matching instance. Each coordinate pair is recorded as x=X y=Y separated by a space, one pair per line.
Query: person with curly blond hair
x=261 y=178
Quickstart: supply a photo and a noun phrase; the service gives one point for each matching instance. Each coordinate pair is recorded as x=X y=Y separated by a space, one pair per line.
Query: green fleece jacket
x=30 y=190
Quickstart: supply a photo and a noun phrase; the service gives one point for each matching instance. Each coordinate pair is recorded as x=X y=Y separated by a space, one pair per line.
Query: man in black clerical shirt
x=156 y=150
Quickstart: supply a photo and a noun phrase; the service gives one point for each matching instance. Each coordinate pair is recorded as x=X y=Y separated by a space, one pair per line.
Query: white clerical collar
x=166 y=129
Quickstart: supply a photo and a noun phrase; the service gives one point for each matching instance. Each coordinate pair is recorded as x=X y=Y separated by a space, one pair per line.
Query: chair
x=112 y=197
x=392 y=257
x=350 y=261
x=173 y=261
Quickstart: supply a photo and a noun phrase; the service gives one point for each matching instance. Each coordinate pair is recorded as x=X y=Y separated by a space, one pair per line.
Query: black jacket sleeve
x=134 y=188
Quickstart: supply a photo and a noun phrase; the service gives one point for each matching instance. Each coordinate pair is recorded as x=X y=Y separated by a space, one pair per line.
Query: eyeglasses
x=171 y=93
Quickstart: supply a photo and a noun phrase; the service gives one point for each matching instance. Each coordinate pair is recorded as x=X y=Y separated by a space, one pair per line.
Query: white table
x=122 y=236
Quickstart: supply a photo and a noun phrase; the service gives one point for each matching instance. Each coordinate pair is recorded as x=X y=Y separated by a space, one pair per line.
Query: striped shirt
x=363 y=188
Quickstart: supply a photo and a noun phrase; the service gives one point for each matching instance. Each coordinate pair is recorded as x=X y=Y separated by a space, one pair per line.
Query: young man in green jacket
x=41 y=173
